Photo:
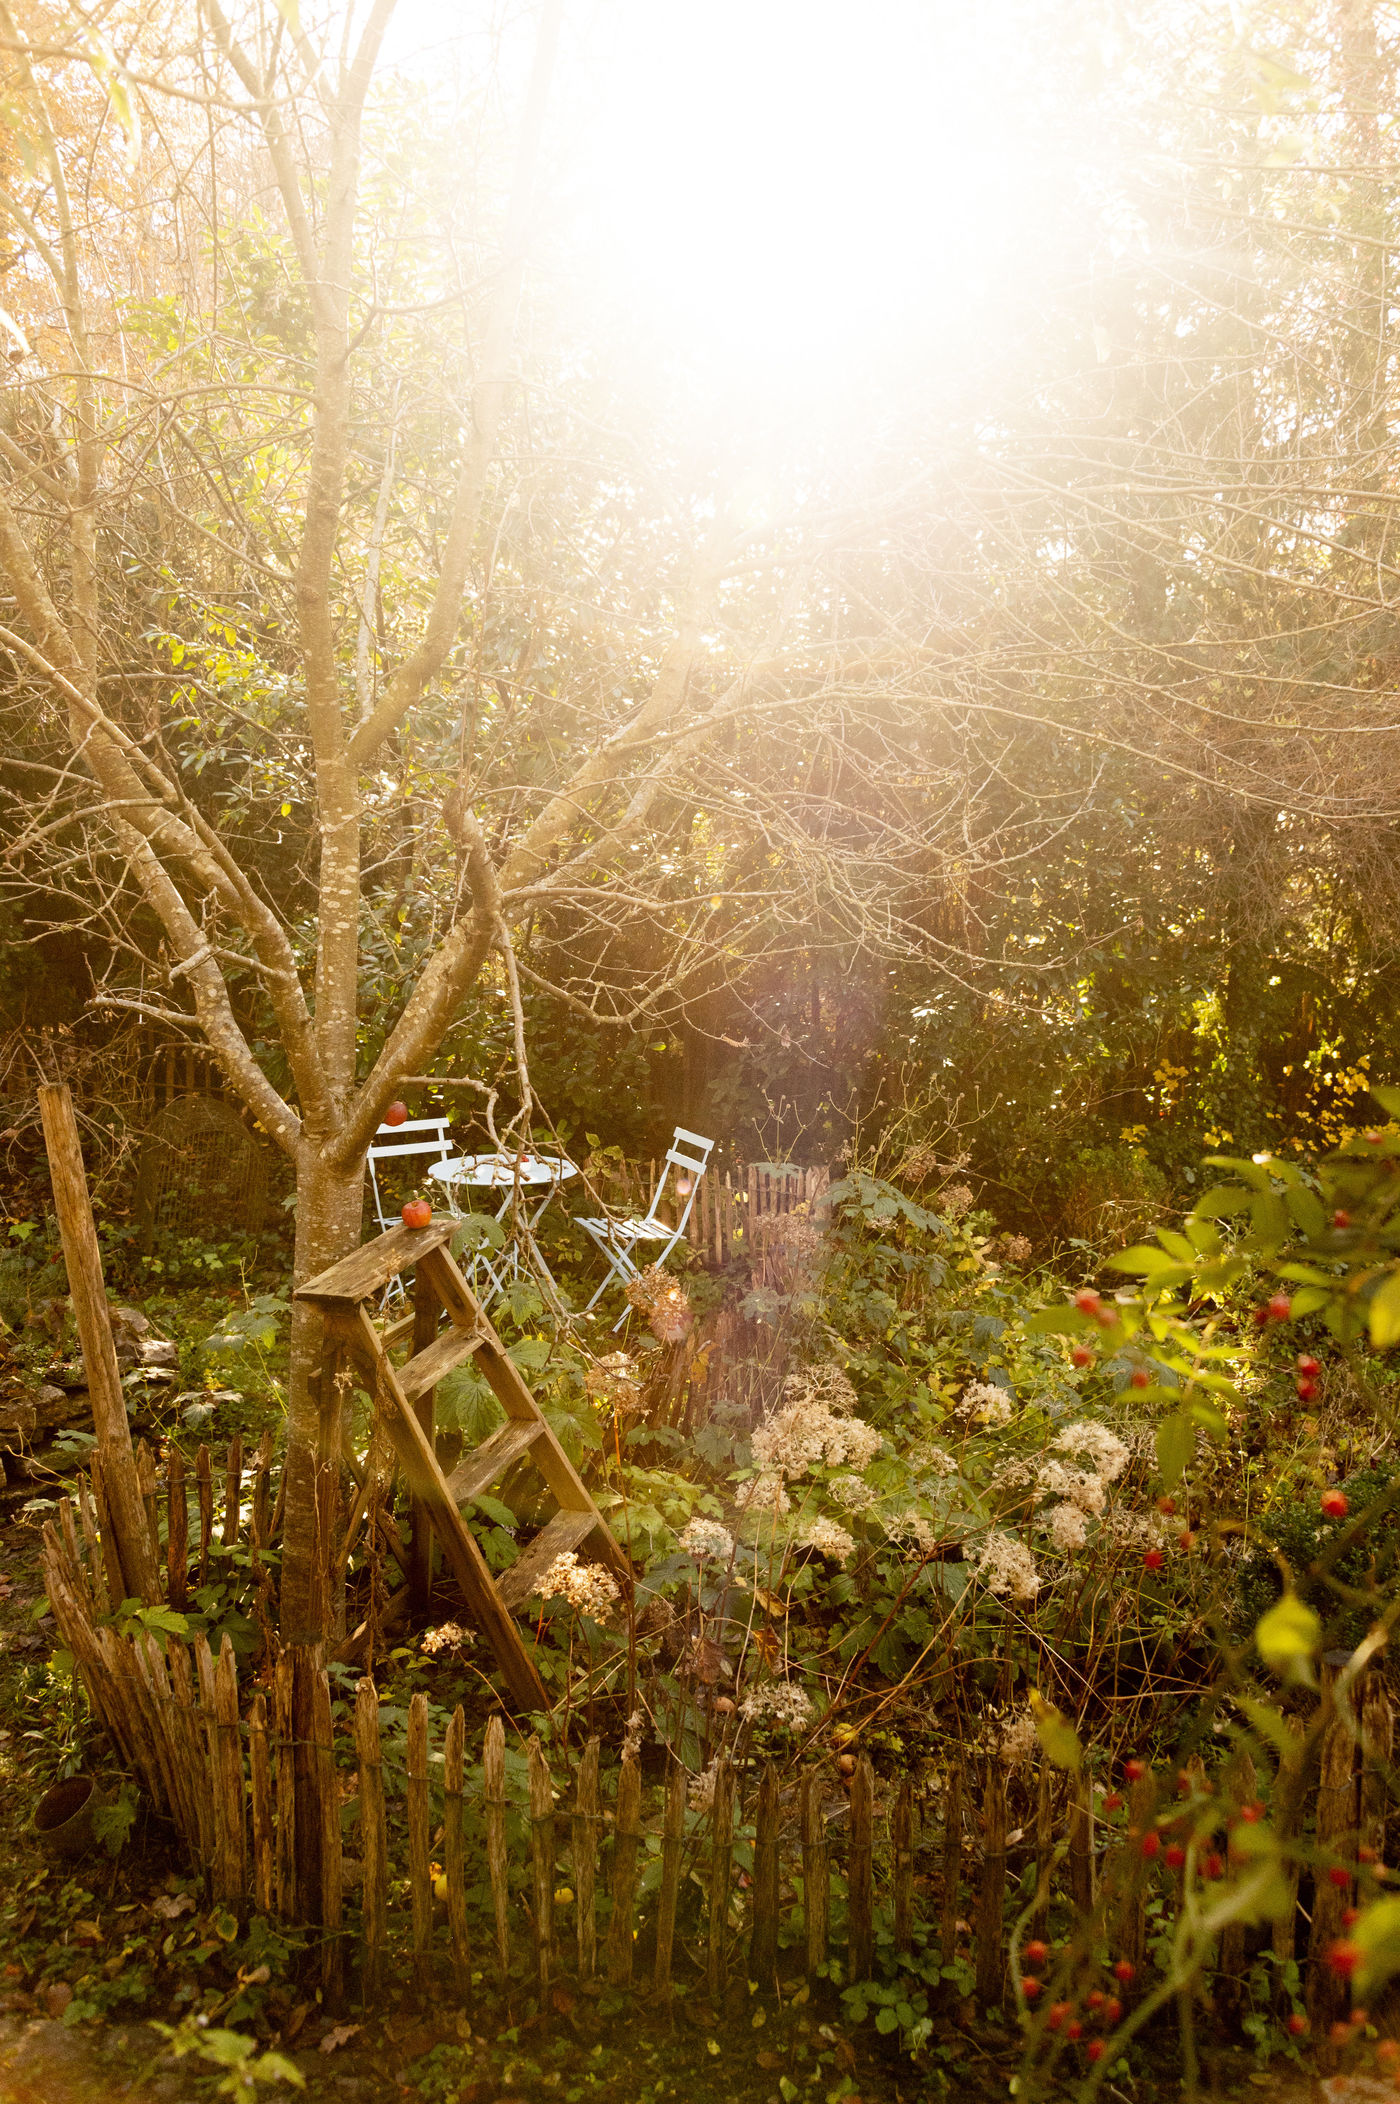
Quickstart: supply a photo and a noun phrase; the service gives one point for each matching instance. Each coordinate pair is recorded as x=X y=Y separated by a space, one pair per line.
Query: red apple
x=396 y=1114
x=1334 y=1504
x=417 y=1213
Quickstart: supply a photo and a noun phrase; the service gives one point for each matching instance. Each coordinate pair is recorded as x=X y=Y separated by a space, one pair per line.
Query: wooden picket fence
x=254 y=1782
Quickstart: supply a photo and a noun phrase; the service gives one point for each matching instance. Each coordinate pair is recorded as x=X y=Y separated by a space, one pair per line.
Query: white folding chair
x=617 y=1239
x=397 y=1143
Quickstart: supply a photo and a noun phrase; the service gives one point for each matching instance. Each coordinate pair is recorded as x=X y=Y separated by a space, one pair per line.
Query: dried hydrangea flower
x=1006 y=1566
x=828 y=1539
x=986 y=1403
x=853 y=1492
x=1066 y=1527
x=448 y=1636
x=616 y=1382
x=588 y=1588
x=780 y=1702
x=812 y=1426
x=1104 y=1449
x=1076 y=1484
x=706 y=1540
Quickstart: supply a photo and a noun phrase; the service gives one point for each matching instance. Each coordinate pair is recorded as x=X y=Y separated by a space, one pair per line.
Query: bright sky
x=790 y=186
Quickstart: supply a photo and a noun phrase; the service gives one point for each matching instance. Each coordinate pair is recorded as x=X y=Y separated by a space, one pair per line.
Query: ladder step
x=445 y=1352
x=398 y=1332
x=565 y=1531
x=477 y=1470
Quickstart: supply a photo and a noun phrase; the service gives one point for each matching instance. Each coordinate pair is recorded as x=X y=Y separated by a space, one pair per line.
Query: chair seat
x=638 y=1229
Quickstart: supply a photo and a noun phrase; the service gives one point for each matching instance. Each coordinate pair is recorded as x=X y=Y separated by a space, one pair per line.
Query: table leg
x=426 y=1310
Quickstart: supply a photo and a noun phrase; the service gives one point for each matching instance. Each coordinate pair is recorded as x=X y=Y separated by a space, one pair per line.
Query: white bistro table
x=510 y=1173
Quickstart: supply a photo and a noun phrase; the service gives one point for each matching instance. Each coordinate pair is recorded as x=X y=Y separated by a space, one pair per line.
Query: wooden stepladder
x=447 y=1326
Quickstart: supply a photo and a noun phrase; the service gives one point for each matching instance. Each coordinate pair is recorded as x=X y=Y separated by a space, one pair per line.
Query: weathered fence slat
x=542 y=1860
x=204 y=1487
x=419 y=1871
x=672 y=1844
x=627 y=1841
x=903 y=1832
x=233 y=1489
x=721 y=1859
x=991 y=1890
x=177 y=1532
x=860 y=1873
x=454 y=1851
x=260 y=1780
x=584 y=1839
x=330 y=1895
x=374 y=1843
x=285 y=1732
x=816 y=1875
x=952 y=1867
x=763 y=1944
x=493 y=1768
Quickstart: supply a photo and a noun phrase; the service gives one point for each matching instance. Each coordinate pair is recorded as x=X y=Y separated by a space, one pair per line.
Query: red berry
x=1339 y=1876
x=1094 y=2049
x=1081 y=1355
x=1334 y=1504
x=1151 y=1844
x=1105 y=1318
x=1112 y=2010
x=1095 y=1998
x=1297 y=2024
x=1340 y=2033
x=1087 y=1301
x=1125 y=1970
x=1308 y=1365
x=1306 y=1387
x=1251 y=1813
x=1074 y=2029
x=1166 y=1506
x=1113 y=1802
x=1365 y=1855
x=1176 y=1855
x=1152 y=1560
x=1373 y=1139
x=1031 y=1987
x=1341 y=1218
x=1058 y=2012
x=1135 y=1770
x=1350 y=1915
x=1344 y=1957
x=1212 y=1867
x=1280 y=1307
x=1036 y=1953
x=1140 y=1377
x=1187 y=1540
x=1261 y=1316
x=396 y=1114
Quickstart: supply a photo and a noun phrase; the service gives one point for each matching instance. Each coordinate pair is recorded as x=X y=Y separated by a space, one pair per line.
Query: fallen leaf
x=57 y=1997
x=87 y=1932
x=562 y=2000
x=295 y=2021
x=171 y=1905
x=338 y=2036
x=767 y=2060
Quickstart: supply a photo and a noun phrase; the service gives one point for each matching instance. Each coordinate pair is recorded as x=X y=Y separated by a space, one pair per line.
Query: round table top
x=497 y=1171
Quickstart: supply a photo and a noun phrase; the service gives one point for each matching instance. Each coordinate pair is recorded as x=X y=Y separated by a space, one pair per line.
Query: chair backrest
x=696 y=1162
x=390 y=1141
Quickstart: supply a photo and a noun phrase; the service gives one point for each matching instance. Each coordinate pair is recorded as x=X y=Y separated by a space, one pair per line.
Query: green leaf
x=1143 y=1261
x=1384 y=1312
x=1288 y=1635
x=1270 y=1724
x=495 y=1510
x=1057 y=1735
x=1306 y=1209
x=1377 y=1930
x=1220 y=1202
x=1388 y=1099
x=1176 y=1442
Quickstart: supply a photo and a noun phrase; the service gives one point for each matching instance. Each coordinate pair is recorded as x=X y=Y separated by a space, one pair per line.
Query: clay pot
x=62 y=1822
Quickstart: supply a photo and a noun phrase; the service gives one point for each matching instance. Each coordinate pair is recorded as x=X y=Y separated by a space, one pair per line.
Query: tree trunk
x=330 y=1209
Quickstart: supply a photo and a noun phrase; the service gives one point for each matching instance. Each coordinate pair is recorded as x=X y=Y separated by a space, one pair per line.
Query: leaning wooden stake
x=85 y=1283
x=373 y=1839
x=454 y=1853
x=860 y=1873
x=493 y=1770
x=816 y=1875
x=419 y=1870
x=260 y=1781
x=763 y=1945
x=672 y=1841
x=584 y=1839
x=542 y=1860
x=626 y=1847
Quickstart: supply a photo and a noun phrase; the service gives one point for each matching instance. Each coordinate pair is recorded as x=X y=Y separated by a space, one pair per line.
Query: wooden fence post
x=373 y=1840
x=260 y=1779
x=330 y=1896
x=204 y=1484
x=419 y=1872
x=816 y=1875
x=233 y=1489
x=721 y=1857
x=283 y=1709
x=860 y=1872
x=1081 y=1844
x=542 y=1860
x=493 y=1771
x=903 y=1822
x=1337 y=1823
x=991 y=1892
x=584 y=1838
x=82 y=1258
x=672 y=1842
x=177 y=1532
x=454 y=1852
x=952 y=1867
x=627 y=1841
x=763 y=1943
